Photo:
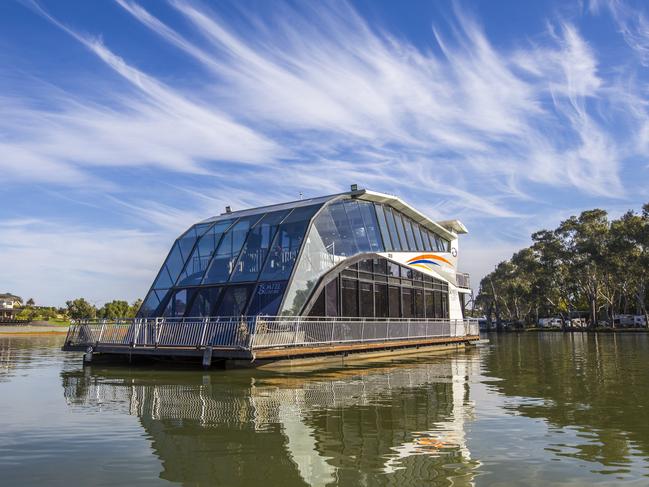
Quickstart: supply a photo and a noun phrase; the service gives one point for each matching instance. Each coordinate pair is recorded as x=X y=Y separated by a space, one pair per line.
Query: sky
x=124 y=122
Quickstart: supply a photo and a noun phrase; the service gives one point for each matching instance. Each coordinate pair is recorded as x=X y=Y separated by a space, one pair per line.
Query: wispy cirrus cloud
x=312 y=97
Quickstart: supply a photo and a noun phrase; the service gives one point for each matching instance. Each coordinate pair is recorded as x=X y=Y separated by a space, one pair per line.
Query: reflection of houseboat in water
x=402 y=424
x=357 y=272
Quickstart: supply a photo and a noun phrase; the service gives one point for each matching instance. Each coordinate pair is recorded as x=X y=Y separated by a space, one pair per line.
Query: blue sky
x=125 y=122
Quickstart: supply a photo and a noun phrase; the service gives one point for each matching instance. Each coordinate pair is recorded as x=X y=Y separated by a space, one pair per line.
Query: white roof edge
x=454 y=225
x=408 y=210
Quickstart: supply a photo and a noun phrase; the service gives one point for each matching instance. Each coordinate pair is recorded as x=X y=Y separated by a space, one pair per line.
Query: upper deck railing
x=463 y=280
x=259 y=332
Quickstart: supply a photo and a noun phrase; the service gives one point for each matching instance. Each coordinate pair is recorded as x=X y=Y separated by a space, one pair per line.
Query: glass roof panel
x=223 y=260
x=256 y=248
x=383 y=225
x=287 y=243
x=200 y=257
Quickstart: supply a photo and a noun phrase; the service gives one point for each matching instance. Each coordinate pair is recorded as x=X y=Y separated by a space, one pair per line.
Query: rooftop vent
x=228 y=209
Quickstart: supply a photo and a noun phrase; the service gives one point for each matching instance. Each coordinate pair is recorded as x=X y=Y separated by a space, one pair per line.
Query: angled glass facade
x=270 y=260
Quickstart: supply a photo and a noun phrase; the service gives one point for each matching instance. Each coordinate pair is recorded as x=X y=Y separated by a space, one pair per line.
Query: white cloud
x=314 y=99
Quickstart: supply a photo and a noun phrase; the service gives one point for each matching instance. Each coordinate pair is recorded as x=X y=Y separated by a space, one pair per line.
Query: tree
x=134 y=308
x=586 y=263
x=30 y=302
x=114 y=309
x=80 y=309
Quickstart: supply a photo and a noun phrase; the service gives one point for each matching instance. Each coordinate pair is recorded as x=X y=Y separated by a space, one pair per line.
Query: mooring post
x=87 y=357
x=207 y=357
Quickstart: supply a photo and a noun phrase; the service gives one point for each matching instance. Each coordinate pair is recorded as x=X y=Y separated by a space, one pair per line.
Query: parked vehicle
x=550 y=322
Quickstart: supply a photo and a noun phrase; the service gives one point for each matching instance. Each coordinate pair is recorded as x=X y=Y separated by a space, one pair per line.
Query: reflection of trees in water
x=24 y=351
x=596 y=384
x=398 y=425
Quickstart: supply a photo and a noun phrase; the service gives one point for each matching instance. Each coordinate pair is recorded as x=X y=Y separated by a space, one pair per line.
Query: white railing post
x=136 y=332
x=202 y=342
x=297 y=328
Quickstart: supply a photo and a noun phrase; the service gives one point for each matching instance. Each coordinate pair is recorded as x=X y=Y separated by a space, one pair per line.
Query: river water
x=526 y=409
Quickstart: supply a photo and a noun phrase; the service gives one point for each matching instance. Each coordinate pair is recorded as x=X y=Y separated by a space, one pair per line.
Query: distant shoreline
x=573 y=330
x=33 y=329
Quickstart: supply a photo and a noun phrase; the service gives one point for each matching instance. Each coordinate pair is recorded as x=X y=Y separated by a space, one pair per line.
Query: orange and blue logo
x=427 y=261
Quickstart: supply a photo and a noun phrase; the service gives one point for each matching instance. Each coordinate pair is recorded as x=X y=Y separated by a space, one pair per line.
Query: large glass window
x=205 y=302
x=366 y=293
x=256 y=247
x=287 y=243
x=394 y=235
x=380 y=300
x=420 y=311
x=349 y=297
x=177 y=305
x=234 y=301
x=358 y=229
x=426 y=237
x=366 y=299
x=331 y=304
x=383 y=225
x=170 y=269
x=406 y=297
x=430 y=304
x=226 y=255
x=371 y=225
x=200 y=257
x=418 y=238
x=394 y=300
x=401 y=231
x=409 y=233
x=150 y=305
x=267 y=298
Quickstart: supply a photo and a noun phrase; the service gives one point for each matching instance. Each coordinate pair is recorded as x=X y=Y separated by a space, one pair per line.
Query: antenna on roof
x=301 y=195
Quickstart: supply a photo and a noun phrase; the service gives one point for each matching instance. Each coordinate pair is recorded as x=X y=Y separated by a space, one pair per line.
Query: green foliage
x=588 y=263
x=80 y=309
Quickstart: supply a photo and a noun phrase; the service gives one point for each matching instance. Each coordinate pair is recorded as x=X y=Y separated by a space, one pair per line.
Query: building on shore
x=10 y=306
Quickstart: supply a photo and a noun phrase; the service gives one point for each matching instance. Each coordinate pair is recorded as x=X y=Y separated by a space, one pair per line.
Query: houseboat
x=330 y=278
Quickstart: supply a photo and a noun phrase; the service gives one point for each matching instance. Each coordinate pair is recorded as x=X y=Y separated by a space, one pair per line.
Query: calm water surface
x=531 y=409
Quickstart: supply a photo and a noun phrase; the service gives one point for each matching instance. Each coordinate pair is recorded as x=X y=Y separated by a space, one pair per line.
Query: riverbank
x=34 y=329
x=573 y=330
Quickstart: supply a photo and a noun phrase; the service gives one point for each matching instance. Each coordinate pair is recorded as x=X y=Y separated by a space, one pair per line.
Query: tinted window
x=409 y=233
x=226 y=255
x=383 y=225
x=392 y=226
x=346 y=243
x=380 y=300
x=287 y=243
x=149 y=305
x=407 y=302
x=170 y=269
x=401 y=231
x=331 y=304
x=256 y=247
x=418 y=238
x=205 y=302
x=394 y=299
x=200 y=257
x=366 y=299
x=234 y=300
x=371 y=226
x=349 y=298
x=267 y=298
x=177 y=304
x=358 y=229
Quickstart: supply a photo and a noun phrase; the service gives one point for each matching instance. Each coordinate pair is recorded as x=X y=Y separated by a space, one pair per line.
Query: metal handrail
x=259 y=332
